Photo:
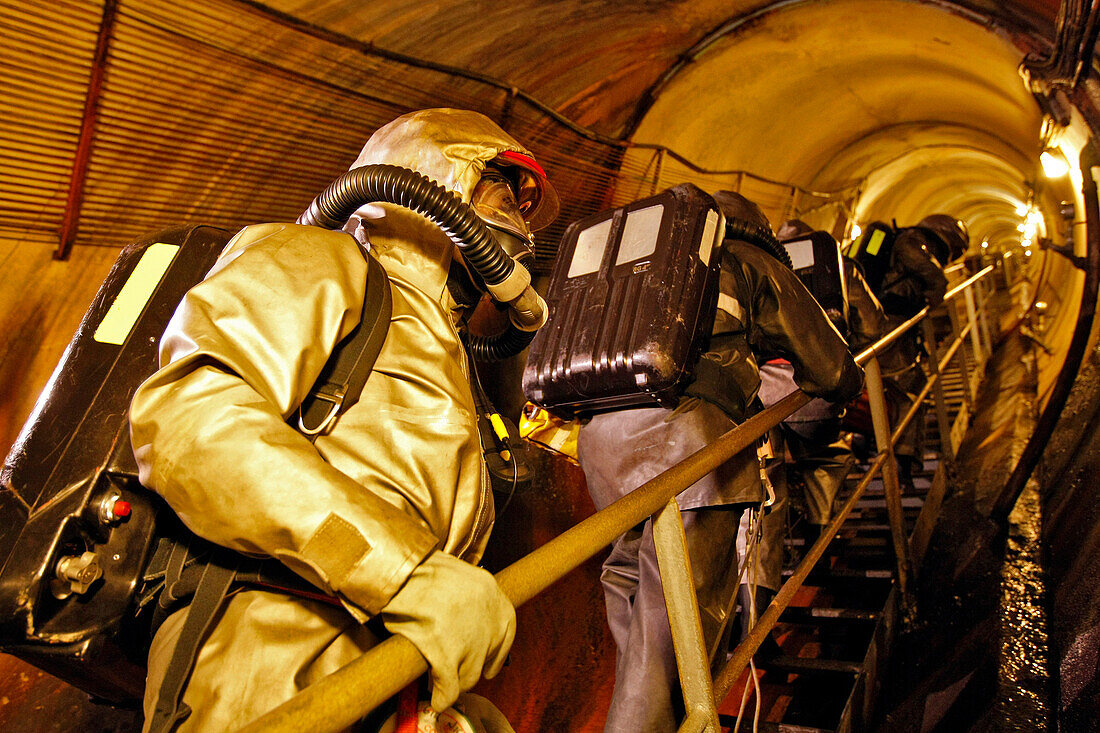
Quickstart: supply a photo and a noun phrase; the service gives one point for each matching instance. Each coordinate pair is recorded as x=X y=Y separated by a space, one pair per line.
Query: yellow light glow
x=1054 y=163
x=1021 y=209
x=856 y=231
x=1027 y=252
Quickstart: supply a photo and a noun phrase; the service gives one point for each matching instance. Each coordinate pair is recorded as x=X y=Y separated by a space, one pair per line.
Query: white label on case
x=135 y=293
x=640 y=233
x=588 y=254
x=801 y=252
x=710 y=232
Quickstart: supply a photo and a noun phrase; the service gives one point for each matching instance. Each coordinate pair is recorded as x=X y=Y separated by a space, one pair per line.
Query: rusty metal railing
x=351 y=692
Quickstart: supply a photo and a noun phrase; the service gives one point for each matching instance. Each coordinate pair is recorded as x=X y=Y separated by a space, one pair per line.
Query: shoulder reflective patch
x=877 y=237
x=135 y=293
x=732 y=306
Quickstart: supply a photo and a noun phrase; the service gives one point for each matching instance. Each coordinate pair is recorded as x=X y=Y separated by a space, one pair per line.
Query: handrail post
x=975 y=331
x=982 y=301
x=964 y=368
x=683 y=615
x=942 y=421
x=891 y=486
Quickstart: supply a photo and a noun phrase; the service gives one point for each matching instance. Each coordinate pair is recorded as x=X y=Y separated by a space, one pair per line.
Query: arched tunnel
x=126 y=117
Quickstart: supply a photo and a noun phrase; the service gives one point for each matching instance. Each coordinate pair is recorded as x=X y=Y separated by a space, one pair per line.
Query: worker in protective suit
x=819 y=456
x=915 y=279
x=763 y=311
x=388 y=511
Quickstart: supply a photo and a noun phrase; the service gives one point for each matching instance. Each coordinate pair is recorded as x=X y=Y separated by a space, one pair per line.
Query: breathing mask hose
x=501 y=346
x=506 y=282
x=759 y=235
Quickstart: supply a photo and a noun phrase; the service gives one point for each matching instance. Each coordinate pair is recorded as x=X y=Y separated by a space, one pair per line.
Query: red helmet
x=538 y=201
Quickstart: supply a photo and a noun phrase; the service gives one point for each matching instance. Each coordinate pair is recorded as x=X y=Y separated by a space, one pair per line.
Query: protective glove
x=458 y=618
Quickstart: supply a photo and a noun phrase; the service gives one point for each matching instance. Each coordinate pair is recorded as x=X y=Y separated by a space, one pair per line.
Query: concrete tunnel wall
x=914 y=108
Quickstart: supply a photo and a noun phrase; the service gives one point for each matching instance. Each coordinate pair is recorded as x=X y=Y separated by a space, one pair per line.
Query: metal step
x=729 y=721
x=907 y=502
x=810 y=665
x=815 y=615
x=821 y=576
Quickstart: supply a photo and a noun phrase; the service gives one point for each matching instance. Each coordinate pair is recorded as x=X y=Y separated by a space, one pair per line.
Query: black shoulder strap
x=213 y=585
x=341 y=381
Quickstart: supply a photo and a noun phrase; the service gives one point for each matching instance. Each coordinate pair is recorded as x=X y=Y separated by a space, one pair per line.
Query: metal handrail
x=736 y=664
x=345 y=696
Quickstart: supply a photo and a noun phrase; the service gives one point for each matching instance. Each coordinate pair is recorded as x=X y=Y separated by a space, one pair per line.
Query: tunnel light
x=856 y=231
x=1027 y=252
x=1021 y=209
x=985 y=245
x=1054 y=163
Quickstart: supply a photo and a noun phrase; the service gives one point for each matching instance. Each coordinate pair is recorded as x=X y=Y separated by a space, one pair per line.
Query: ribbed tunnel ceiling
x=824 y=95
x=594 y=60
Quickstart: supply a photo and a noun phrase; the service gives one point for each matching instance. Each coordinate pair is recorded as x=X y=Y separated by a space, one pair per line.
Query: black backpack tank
x=632 y=299
x=872 y=252
x=816 y=259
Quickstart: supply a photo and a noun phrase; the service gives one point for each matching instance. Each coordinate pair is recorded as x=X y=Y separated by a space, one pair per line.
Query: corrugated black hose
x=761 y=236
x=396 y=185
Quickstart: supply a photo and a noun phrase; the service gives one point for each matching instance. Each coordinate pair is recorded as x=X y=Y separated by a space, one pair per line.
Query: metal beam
x=83 y=155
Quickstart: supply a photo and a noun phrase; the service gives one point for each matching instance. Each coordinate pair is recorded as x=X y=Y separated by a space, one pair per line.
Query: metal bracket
x=1081 y=263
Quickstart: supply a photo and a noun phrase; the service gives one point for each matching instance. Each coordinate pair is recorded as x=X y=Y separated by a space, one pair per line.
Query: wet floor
x=977 y=658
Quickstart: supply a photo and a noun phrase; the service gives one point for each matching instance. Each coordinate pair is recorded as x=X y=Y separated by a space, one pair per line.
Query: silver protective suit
x=356 y=511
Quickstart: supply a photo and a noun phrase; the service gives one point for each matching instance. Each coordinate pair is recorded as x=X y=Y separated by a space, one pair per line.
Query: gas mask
x=495 y=202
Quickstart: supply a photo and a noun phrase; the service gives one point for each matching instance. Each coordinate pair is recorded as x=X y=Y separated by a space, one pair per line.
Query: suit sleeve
x=914 y=259
x=210 y=431
x=785 y=320
x=865 y=312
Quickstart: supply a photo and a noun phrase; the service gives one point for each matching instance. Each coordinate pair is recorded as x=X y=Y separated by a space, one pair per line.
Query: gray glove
x=458 y=618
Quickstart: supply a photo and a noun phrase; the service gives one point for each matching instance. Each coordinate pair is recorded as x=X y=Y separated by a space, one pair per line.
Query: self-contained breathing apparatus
x=872 y=250
x=90 y=560
x=633 y=299
x=816 y=259
x=947 y=239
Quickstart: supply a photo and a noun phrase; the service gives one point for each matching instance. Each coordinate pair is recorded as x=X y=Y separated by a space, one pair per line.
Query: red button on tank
x=121 y=509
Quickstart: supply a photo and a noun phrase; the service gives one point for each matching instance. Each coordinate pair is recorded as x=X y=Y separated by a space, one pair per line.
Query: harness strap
x=341 y=381
x=211 y=592
x=177 y=560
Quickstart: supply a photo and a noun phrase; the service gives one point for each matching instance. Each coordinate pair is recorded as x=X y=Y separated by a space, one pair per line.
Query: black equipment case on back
x=872 y=251
x=816 y=259
x=69 y=491
x=632 y=299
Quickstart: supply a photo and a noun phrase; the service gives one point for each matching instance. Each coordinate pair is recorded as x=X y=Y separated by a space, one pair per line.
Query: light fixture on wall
x=1054 y=163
